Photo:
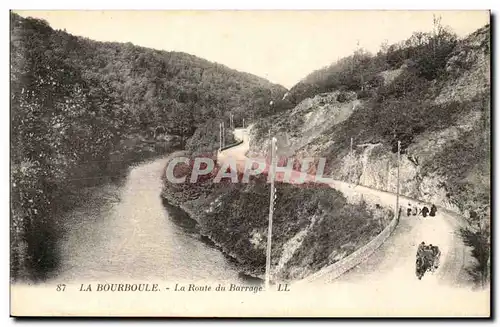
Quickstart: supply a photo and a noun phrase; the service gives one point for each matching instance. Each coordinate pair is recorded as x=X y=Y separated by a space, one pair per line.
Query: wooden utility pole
x=220 y=136
x=272 y=198
x=397 y=183
x=223 y=135
x=388 y=183
x=243 y=122
x=351 y=163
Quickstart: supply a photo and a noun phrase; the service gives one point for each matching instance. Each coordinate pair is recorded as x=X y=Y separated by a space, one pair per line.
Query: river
x=125 y=232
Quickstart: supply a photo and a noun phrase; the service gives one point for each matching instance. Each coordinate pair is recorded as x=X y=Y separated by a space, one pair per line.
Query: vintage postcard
x=250 y=163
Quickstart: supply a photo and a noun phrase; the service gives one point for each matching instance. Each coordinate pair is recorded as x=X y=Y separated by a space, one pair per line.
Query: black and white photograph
x=250 y=163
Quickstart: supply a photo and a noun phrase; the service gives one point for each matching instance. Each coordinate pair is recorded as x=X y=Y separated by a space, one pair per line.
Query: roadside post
x=272 y=198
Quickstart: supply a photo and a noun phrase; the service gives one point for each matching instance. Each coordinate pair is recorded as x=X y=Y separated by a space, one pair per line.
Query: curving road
x=394 y=261
x=383 y=286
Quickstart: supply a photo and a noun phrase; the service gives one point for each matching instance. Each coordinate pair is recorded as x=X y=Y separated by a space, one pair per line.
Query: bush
x=480 y=242
x=376 y=81
x=432 y=59
x=364 y=94
x=206 y=137
x=343 y=97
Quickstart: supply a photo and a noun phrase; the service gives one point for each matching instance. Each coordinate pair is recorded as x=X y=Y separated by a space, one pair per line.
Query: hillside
x=83 y=111
x=315 y=225
x=173 y=88
x=432 y=93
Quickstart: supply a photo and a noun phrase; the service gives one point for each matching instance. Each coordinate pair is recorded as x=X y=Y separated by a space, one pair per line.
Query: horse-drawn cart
x=427 y=259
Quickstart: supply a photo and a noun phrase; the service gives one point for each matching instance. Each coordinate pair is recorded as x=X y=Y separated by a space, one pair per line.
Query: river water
x=125 y=232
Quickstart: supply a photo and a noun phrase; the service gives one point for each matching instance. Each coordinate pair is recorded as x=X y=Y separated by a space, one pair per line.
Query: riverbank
x=186 y=218
x=129 y=235
x=314 y=225
x=34 y=252
x=191 y=218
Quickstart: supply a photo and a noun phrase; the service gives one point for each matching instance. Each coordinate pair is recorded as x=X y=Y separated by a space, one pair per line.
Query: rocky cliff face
x=468 y=80
x=431 y=167
x=470 y=65
x=303 y=130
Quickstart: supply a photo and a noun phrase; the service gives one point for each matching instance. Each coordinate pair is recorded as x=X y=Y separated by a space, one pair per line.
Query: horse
x=426 y=261
x=422 y=265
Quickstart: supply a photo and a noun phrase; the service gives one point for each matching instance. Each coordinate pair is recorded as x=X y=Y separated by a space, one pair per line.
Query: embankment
x=339 y=268
x=314 y=225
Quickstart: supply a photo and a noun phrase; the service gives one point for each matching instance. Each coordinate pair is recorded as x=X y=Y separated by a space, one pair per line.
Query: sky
x=281 y=46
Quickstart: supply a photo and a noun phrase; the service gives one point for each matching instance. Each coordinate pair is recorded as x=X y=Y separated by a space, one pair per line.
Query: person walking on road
x=425 y=211
x=433 y=211
x=421 y=248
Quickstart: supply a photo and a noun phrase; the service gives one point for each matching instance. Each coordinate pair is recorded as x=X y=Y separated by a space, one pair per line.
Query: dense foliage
x=206 y=137
x=62 y=125
x=406 y=94
x=82 y=109
x=426 y=53
x=235 y=217
x=175 y=89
